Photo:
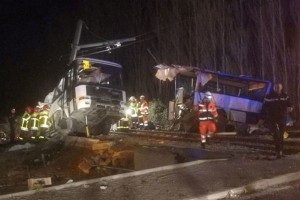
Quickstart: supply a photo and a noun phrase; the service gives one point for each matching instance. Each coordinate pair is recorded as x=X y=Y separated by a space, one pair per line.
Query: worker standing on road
x=207 y=117
x=274 y=111
x=144 y=112
x=12 y=123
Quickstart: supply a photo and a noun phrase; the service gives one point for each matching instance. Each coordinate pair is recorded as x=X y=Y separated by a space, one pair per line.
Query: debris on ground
x=105 y=156
x=25 y=146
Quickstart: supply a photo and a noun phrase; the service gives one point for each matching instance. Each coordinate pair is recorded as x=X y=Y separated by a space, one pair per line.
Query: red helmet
x=36 y=109
x=28 y=109
x=45 y=107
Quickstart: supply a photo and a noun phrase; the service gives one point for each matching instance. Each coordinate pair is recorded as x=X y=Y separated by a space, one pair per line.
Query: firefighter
x=43 y=117
x=132 y=112
x=274 y=111
x=43 y=120
x=34 y=121
x=25 y=121
x=25 y=125
x=207 y=117
x=131 y=117
x=144 y=112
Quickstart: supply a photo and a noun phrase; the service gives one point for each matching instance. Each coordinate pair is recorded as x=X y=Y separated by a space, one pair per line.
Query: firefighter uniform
x=274 y=111
x=25 y=119
x=44 y=117
x=207 y=116
x=144 y=112
x=34 y=123
x=133 y=112
x=43 y=121
x=34 y=120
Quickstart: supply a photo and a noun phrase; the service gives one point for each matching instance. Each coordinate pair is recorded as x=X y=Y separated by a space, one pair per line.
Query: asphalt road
x=242 y=168
x=284 y=192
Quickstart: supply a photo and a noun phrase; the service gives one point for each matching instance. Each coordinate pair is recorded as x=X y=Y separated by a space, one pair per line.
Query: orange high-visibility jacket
x=207 y=111
x=144 y=107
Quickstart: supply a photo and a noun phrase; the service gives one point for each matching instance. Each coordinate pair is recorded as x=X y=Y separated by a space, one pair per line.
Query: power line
x=113 y=48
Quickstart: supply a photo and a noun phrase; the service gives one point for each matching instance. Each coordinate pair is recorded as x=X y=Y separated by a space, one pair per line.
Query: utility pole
x=76 y=41
x=76 y=47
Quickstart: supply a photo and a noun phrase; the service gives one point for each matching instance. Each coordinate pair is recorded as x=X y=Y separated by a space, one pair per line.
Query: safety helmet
x=28 y=109
x=142 y=97
x=36 y=109
x=132 y=98
x=45 y=107
x=208 y=95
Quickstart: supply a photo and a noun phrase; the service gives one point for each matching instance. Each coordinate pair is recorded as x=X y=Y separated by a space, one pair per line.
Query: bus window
x=237 y=87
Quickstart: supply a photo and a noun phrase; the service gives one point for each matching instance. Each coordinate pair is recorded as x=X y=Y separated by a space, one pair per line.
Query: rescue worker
x=144 y=112
x=133 y=112
x=43 y=121
x=25 y=119
x=274 y=111
x=34 y=122
x=12 y=119
x=43 y=117
x=208 y=114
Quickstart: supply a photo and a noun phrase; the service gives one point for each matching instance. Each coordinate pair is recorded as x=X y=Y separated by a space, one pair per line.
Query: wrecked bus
x=239 y=99
x=90 y=95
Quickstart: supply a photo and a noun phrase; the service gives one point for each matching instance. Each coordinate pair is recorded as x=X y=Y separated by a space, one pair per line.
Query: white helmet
x=208 y=95
x=132 y=98
x=142 y=97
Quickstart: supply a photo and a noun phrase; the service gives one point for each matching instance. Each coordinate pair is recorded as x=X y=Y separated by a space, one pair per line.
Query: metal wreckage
x=90 y=99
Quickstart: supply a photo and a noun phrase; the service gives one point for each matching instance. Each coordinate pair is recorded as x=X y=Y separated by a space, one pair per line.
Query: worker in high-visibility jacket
x=25 y=119
x=144 y=112
x=34 y=120
x=132 y=112
x=208 y=114
x=131 y=117
x=44 y=117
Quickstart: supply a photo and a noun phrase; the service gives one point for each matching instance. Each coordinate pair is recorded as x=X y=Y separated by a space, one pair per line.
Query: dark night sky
x=35 y=43
x=36 y=37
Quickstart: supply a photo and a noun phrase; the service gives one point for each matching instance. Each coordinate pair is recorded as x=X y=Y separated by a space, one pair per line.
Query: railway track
x=262 y=143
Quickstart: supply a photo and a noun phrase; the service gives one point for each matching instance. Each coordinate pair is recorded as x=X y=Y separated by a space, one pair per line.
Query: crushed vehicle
x=239 y=99
x=90 y=95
